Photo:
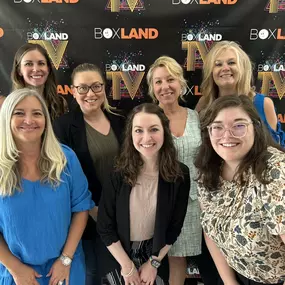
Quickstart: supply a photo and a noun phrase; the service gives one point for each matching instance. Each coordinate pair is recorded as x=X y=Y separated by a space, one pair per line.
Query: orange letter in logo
x=279 y=36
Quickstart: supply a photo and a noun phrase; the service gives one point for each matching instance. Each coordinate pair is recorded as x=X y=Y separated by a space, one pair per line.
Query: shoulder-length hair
x=174 y=69
x=130 y=162
x=209 y=163
x=92 y=67
x=54 y=103
x=52 y=159
x=209 y=89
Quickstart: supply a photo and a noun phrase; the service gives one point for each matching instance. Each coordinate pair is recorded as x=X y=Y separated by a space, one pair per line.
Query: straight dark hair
x=209 y=163
x=130 y=162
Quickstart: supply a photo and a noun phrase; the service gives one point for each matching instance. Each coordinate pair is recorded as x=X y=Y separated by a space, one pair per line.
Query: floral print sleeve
x=273 y=195
x=203 y=195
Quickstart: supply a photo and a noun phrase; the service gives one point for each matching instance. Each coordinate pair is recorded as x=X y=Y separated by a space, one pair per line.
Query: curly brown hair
x=54 y=102
x=209 y=163
x=130 y=162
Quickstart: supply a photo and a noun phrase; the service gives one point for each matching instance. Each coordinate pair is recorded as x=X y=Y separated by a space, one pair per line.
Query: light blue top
x=35 y=222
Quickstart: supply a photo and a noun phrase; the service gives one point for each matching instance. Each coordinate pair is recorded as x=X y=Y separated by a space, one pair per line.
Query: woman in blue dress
x=44 y=198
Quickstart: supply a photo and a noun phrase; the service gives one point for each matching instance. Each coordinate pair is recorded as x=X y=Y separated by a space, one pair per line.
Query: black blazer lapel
x=163 y=208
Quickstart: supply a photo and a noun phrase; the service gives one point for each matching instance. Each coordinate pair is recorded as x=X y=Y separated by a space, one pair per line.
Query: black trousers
x=207 y=267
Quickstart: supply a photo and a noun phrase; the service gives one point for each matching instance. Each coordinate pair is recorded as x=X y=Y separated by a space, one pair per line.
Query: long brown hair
x=53 y=100
x=130 y=163
x=209 y=163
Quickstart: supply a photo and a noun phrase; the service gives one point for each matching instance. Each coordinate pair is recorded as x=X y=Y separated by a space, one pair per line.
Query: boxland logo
x=268 y=67
x=46 y=1
x=126 y=34
x=267 y=34
x=275 y=6
x=197 y=44
x=125 y=5
x=55 y=43
x=204 y=2
x=126 y=77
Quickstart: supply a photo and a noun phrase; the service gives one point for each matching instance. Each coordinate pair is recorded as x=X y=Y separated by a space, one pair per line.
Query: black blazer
x=70 y=130
x=114 y=212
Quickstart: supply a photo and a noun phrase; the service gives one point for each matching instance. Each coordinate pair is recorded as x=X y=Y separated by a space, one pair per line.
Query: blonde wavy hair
x=52 y=160
x=209 y=89
x=174 y=69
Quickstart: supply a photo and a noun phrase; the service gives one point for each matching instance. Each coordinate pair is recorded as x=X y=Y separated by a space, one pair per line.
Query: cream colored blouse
x=143 y=199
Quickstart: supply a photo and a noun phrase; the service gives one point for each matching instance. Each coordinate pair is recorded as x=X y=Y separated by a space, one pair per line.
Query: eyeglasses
x=84 y=89
x=237 y=130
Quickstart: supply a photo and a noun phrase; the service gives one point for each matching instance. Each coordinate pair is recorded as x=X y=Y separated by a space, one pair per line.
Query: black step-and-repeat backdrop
x=124 y=37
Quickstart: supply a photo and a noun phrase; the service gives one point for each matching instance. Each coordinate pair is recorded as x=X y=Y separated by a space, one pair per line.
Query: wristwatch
x=65 y=260
x=154 y=262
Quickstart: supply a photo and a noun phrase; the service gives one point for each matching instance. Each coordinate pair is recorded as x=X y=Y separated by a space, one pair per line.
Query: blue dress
x=35 y=222
x=278 y=135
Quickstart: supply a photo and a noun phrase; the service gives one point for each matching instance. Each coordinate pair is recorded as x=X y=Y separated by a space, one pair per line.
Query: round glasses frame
x=230 y=130
x=92 y=87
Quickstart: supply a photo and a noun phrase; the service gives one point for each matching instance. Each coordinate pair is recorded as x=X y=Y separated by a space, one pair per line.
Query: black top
x=70 y=130
x=114 y=212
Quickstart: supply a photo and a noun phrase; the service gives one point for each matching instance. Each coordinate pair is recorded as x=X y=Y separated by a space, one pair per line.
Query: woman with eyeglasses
x=241 y=191
x=228 y=70
x=93 y=131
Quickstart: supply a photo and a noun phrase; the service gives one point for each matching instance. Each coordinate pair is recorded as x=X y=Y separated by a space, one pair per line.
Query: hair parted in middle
x=174 y=69
x=54 y=102
x=52 y=159
x=92 y=67
x=130 y=162
x=209 y=89
x=209 y=163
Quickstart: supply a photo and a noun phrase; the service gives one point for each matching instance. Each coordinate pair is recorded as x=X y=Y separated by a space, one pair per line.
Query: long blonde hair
x=174 y=69
x=52 y=159
x=209 y=89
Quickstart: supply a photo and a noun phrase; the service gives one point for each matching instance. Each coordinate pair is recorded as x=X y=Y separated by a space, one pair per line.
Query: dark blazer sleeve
x=106 y=221
x=180 y=208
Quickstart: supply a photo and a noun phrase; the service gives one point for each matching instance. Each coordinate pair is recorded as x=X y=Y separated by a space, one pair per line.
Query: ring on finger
x=60 y=283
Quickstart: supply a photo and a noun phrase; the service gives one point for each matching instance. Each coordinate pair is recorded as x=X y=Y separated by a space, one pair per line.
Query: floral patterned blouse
x=246 y=222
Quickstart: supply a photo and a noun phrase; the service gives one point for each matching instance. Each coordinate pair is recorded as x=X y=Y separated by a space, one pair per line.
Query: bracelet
x=130 y=273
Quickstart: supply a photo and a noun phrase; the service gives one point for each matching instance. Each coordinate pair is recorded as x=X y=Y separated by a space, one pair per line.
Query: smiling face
x=166 y=88
x=28 y=121
x=225 y=70
x=233 y=149
x=34 y=69
x=89 y=102
x=147 y=135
